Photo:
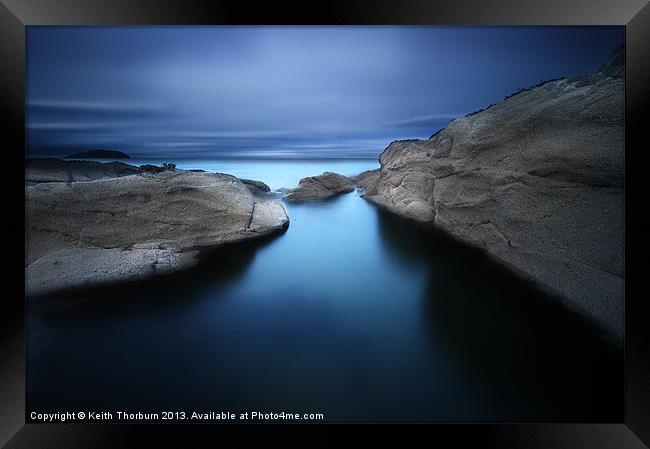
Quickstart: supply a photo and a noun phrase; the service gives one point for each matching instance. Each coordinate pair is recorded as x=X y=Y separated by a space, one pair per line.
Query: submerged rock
x=132 y=227
x=535 y=180
x=320 y=187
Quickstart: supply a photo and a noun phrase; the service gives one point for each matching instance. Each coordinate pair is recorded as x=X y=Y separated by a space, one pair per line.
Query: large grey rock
x=536 y=181
x=132 y=227
x=40 y=170
x=320 y=187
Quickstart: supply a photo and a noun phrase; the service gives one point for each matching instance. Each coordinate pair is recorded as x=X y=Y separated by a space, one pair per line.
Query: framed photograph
x=324 y=214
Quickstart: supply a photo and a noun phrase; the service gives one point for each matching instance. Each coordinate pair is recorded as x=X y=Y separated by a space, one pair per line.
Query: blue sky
x=193 y=92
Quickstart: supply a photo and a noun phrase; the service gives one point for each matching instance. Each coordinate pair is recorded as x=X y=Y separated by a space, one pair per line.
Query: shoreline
x=191 y=258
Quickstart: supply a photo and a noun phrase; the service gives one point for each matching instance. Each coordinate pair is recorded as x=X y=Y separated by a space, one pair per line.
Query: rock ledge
x=320 y=187
x=137 y=226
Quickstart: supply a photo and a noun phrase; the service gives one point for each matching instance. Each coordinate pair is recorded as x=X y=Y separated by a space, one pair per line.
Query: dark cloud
x=92 y=108
x=281 y=91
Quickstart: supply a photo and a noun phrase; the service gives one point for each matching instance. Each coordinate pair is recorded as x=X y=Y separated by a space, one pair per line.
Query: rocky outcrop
x=535 y=180
x=256 y=187
x=366 y=179
x=99 y=154
x=133 y=227
x=150 y=168
x=40 y=170
x=320 y=187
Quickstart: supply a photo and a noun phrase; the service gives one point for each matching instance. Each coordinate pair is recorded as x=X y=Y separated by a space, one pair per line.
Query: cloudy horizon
x=194 y=92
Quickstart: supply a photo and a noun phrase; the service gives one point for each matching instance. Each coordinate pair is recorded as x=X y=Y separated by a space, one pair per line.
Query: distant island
x=99 y=154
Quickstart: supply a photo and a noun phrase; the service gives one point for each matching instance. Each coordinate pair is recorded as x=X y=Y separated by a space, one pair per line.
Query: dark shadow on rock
x=107 y=347
x=314 y=201
x=520 y=350
x=216 y=268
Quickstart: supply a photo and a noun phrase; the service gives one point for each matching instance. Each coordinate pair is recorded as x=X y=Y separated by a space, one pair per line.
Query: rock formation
x=256 y=187
x=320 y=187
x=535 y=180
x=57 y=170
x=364 y=179
x=132 y=227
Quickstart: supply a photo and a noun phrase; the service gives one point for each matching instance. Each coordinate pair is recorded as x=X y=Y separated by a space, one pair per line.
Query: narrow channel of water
x=351 y=312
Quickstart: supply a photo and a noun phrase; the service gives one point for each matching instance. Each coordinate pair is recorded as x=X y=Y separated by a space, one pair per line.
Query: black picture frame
x=15 y=15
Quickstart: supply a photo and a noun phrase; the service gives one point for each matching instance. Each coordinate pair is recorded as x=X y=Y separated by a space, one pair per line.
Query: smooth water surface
x=351 y=312
x=276 y=173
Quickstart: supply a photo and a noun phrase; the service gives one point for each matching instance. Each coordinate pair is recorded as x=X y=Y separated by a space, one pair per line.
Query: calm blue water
x=351 y=312
x=276 y=173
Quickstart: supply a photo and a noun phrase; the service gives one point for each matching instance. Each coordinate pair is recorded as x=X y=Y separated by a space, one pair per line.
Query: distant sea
x=276 y=173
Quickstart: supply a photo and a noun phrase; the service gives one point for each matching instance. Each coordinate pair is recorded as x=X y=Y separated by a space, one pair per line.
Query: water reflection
x=216 y=268
x=520 y=350
x=126 y=345
x=352 y=313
